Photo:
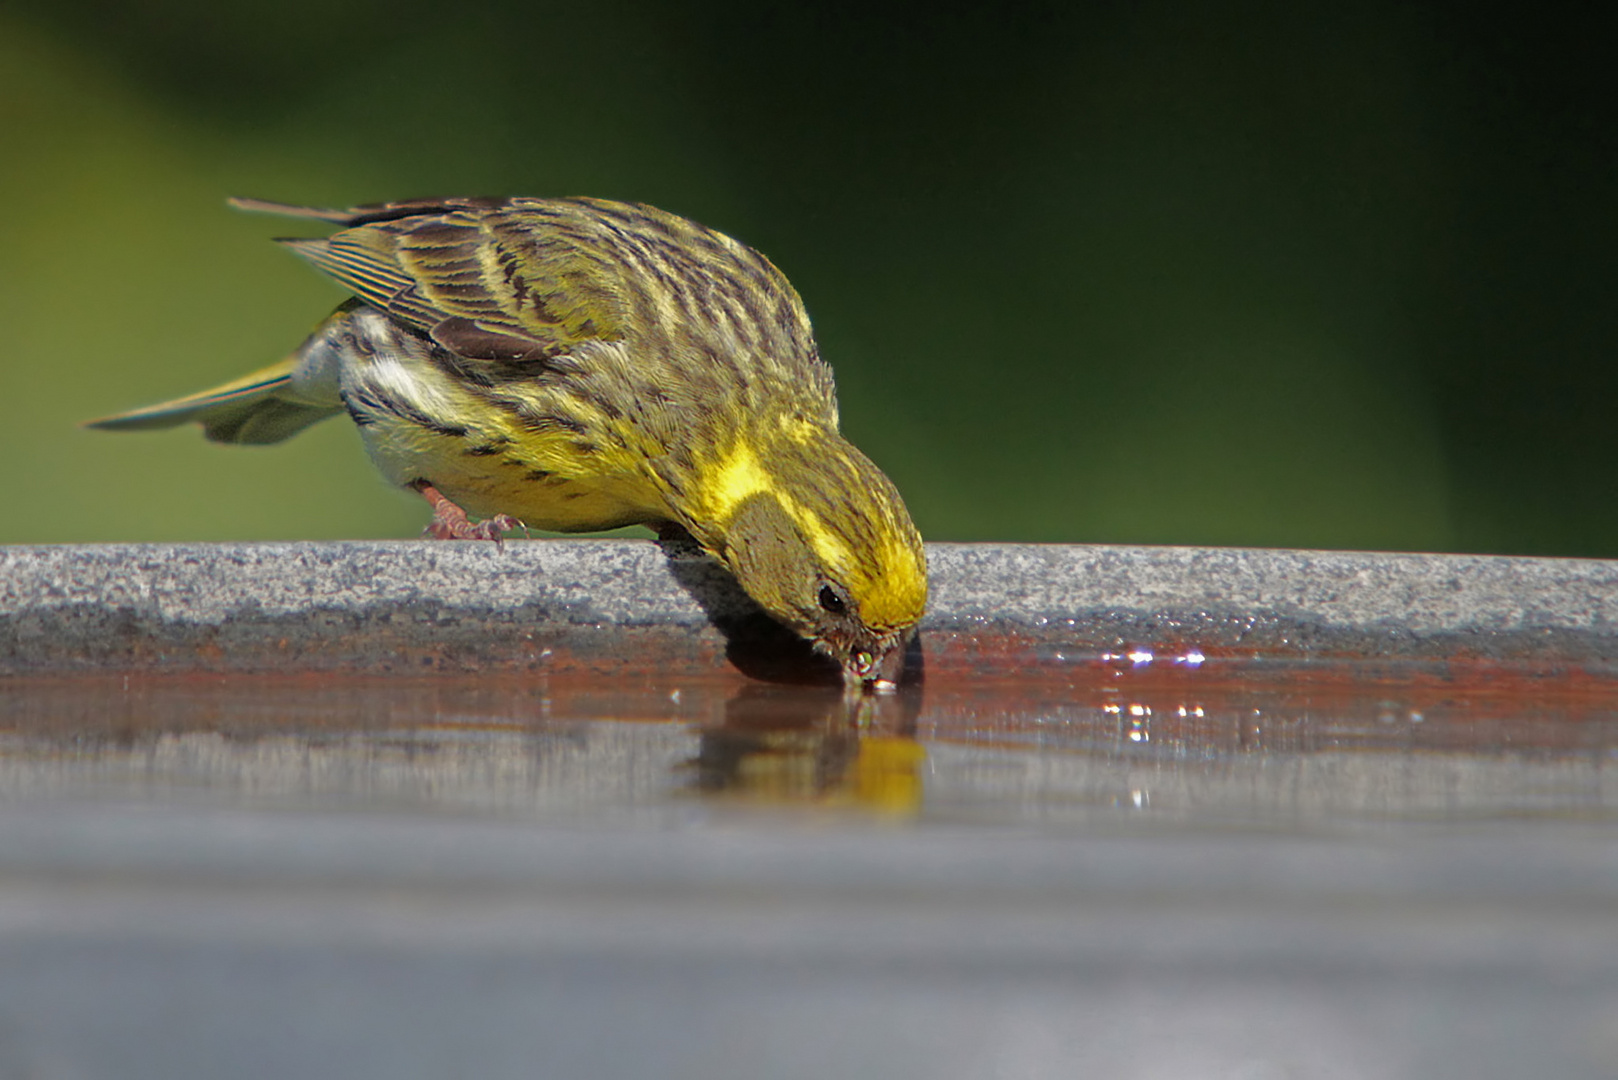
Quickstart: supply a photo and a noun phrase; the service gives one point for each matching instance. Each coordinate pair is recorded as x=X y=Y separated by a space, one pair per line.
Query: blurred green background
x=1306 y=274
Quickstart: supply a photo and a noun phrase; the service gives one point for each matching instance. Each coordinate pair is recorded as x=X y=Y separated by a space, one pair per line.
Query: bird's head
x=826 y=546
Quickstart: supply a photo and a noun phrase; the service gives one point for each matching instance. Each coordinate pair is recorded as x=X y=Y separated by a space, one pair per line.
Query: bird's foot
x=451 y=523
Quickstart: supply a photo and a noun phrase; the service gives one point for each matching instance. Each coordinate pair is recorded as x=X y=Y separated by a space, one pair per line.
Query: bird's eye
x=832 y=600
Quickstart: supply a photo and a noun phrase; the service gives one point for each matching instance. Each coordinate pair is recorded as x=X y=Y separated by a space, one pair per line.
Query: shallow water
x=1250 y=743
x=1143 y=865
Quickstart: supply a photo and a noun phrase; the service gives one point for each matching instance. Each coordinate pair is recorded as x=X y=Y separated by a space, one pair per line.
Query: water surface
x=1134 y=865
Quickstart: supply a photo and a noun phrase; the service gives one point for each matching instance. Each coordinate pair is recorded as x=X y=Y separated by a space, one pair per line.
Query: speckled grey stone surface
x=385 y=604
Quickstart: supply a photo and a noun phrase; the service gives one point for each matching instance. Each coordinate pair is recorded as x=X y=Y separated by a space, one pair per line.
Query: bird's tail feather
x=256 y=408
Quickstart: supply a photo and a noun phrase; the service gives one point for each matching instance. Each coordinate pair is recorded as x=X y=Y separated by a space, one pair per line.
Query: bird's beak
x=874 y=672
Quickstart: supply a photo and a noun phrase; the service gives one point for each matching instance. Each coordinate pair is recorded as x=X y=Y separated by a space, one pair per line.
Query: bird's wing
x=495 y=280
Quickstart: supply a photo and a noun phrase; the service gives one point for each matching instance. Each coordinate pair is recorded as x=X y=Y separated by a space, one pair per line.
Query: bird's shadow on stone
x=756 y=644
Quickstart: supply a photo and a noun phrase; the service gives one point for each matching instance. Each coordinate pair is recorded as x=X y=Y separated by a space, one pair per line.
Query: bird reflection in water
x=787 y=745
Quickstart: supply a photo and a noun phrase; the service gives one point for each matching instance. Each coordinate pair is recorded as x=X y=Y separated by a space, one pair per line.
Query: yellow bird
x=579 y=364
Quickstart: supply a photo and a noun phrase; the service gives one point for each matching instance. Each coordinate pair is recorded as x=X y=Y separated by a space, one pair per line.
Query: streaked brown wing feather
x=488 y=281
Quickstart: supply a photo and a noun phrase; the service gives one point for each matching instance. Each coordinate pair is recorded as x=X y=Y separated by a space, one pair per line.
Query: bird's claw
x=451 y=523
